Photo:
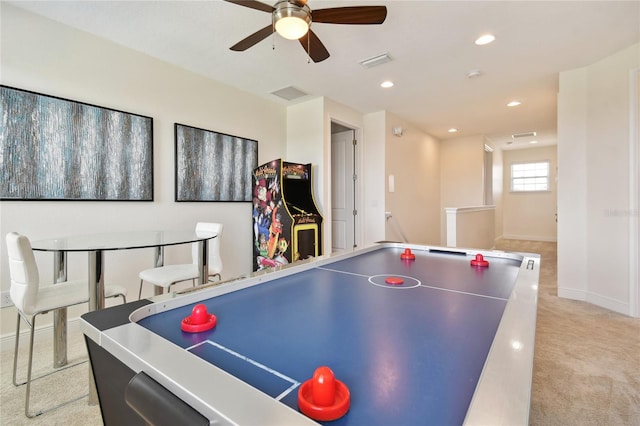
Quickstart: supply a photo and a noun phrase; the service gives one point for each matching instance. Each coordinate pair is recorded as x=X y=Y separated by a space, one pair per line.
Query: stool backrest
x=24 y=273
x=215 y=261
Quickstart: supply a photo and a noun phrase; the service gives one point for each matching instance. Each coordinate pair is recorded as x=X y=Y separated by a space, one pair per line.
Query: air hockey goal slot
x=453 y=252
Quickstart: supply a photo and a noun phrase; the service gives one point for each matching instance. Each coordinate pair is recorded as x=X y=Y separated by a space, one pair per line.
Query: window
x=530 y=177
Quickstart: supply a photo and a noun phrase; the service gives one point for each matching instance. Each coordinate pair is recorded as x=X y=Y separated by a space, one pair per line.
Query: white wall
x=530 y=215
x=594 y=182
x=305 y=132
x=309 y=141
x=374 y=177
x=44 y=56
x=335 y=112
x=572 y=173
x=498 y=193
x=305 y=129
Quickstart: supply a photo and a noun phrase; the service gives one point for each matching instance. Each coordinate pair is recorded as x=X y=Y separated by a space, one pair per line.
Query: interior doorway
x=344 y=184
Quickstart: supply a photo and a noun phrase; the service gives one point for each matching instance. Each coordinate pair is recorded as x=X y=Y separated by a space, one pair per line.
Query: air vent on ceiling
x=376 y=60
x=523 y=135
x=289 y=93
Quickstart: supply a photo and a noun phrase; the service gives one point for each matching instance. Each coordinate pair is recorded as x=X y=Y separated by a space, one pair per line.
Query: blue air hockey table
x=451 y=344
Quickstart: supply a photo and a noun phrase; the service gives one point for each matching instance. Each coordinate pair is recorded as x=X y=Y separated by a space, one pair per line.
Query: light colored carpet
x=48 y=391
x=587 y=359
x=586 y=365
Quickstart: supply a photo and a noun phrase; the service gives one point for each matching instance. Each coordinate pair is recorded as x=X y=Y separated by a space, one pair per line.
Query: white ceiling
x=431 y=43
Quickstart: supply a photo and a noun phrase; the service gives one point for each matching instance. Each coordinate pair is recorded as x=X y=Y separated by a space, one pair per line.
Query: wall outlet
x=5 y=299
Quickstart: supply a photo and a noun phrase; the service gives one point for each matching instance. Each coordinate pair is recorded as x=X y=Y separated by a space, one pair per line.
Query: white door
x=342 y=192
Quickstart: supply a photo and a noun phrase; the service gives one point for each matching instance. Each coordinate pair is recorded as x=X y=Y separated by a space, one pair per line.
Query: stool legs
x=15 y=354
x=32 y=326
x=29 y=365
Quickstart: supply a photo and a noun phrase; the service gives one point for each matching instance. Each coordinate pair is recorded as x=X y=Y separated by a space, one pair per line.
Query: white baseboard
x=7 y=341
x=595 y=299
x=530 y=238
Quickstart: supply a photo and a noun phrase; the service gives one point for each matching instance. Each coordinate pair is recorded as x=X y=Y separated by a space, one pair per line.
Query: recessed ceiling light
x=514 y=103
x=386 y=84
x=533 y=141
x=485 y=39
x=452 y=130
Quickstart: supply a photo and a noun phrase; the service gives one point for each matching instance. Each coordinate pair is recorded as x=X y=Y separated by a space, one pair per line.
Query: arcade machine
x=286 y=223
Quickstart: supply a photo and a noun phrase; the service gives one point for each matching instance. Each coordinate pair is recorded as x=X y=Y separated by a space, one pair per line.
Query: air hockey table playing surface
x=451 y=344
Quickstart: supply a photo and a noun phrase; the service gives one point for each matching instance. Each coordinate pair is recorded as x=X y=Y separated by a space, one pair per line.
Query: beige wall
x=413 y=161
x=530 y=215
x=595 y=209
x=461 y=175
x=471 y=227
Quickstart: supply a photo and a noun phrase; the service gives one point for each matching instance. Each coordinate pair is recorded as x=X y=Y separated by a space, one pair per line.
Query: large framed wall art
x=59 y=149
x=212 y=166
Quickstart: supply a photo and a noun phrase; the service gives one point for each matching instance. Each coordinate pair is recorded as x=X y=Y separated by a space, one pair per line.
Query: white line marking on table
x=343 y=272
x=419 y=285
x=462 y=292
x=294 y=383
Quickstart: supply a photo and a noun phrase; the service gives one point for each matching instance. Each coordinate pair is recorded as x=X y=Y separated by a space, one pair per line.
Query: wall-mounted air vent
x=289 y=93
x=376 y=60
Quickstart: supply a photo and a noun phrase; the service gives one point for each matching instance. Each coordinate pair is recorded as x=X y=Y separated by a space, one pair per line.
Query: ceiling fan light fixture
x=291 y=21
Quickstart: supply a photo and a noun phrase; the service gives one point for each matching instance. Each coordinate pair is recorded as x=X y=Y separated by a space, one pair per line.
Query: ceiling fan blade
x=253 y=39
x=314 y=47
x=362 y=15
x=253 y=4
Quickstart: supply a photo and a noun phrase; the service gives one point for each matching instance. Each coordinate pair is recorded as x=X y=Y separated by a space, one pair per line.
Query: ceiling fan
x=292 y=19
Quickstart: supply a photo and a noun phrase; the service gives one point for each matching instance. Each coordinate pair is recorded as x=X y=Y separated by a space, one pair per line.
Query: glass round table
x=95 y=245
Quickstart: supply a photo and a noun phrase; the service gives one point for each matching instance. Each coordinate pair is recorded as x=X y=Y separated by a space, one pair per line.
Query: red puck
x=394 y=280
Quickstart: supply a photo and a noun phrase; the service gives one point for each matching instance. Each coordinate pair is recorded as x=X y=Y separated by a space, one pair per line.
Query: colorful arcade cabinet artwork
x=286 y=223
